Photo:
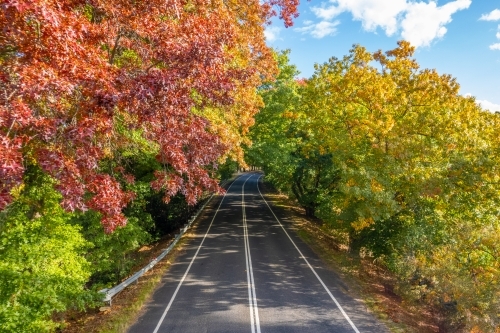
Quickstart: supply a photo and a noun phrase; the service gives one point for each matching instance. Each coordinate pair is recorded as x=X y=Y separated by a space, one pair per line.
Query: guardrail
x=109 y=293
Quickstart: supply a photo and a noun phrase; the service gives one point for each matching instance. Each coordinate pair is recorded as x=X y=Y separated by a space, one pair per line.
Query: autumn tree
x=410 y=171
x=71 y=68
x=417 y=167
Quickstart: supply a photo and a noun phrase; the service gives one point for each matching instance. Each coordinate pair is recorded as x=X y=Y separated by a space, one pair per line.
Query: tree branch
x=115 y=47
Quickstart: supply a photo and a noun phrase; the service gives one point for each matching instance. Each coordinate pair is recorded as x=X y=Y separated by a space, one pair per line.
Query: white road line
x=252 y=296
x=308 y=264
x=190 y=264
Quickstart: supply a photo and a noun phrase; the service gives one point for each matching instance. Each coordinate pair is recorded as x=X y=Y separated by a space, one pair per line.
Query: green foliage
x=42 y=270
x=169 y=217
x=227 y=169
x=112 y=254
x=285 y=148
x=127 y=58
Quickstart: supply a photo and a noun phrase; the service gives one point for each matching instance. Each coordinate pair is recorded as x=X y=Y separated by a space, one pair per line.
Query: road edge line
x=308 y=264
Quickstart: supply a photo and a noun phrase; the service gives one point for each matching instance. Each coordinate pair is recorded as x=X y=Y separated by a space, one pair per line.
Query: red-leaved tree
x=69 y=68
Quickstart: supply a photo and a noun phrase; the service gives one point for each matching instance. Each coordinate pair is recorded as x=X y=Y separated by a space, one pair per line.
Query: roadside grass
x=365 y=279
x=350 y=267
x=119 y=320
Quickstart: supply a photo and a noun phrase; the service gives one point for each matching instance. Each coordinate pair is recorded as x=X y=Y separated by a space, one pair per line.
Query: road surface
x=247 y=271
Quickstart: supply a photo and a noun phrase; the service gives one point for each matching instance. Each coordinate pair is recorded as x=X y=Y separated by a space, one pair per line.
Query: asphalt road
x=247 y=271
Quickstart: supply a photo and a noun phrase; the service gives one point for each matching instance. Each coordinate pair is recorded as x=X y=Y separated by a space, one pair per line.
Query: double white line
x=252 y=297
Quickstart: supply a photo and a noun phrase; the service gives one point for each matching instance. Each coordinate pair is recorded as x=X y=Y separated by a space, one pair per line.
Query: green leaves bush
x=42 y=267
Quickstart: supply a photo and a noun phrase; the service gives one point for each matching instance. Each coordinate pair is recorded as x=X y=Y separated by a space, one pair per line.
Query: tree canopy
x=114 y=116
x=71 y=69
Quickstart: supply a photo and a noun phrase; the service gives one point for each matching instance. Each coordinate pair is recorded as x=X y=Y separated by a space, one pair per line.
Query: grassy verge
x=127 y=305
x=118 y=320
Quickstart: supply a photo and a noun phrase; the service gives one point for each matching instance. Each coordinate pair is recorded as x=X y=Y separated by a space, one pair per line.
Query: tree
x=71 y=68
x=42 y=270
x=282 y=144
x=417 y=167
x=94 y=94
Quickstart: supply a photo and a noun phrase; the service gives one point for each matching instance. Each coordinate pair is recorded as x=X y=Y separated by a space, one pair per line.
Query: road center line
x=308 y=264
x=191 y=263
x=252 y=296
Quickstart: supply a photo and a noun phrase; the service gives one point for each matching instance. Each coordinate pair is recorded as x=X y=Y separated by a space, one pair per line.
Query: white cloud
x=319 y=30
x=488 y=105
x=272 y=33
x=493 y=16
x=495 y=46
x=425 y=22
x=420 y=22
x=371 y=13
x=327 y=13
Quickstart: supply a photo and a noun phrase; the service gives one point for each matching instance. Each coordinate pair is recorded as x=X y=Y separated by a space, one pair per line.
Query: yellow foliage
x=376 y=186
x=362 y=223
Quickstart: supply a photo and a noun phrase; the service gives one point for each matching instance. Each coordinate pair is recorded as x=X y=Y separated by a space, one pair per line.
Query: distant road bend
x=245 y=270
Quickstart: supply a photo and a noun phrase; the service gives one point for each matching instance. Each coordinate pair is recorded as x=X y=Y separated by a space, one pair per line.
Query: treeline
x=399 y=166
x=116 y=117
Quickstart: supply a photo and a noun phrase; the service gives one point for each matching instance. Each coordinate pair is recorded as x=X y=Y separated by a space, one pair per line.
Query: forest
x=118 y=117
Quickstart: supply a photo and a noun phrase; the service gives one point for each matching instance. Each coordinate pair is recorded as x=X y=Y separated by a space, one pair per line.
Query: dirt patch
x=372 y=283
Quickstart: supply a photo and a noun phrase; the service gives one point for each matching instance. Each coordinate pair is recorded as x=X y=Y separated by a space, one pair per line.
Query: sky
x=456 y=37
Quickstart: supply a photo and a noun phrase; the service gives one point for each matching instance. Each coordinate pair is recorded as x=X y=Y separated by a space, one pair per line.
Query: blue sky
x=457 y=37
